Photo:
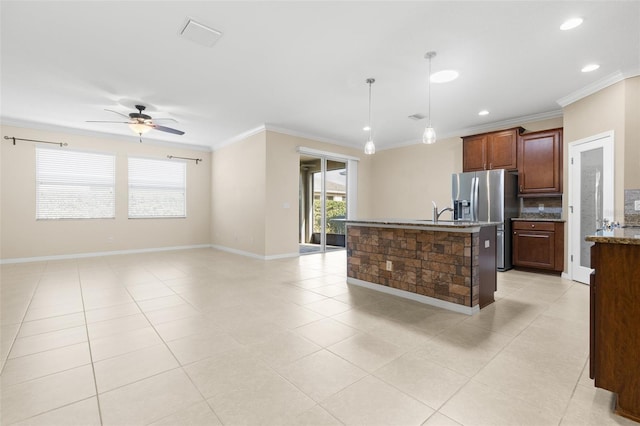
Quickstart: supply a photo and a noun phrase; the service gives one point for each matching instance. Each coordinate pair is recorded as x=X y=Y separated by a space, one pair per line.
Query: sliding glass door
x=323 y=204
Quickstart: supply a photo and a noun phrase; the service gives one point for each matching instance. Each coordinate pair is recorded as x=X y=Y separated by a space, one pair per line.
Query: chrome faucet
x=436 y=213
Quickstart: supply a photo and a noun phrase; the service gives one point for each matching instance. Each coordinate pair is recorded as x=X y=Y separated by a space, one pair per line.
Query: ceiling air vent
x=199 y=33
x=417 y=117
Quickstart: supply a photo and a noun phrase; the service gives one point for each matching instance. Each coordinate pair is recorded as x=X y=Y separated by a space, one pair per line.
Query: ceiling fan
x=140 y=122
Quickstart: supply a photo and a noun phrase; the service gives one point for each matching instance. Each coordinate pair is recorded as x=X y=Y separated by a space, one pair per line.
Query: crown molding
x=239 y=137
x=24 y=124
x=282 y=130
x=596 y=86
x=488 y=127
x=310 y=136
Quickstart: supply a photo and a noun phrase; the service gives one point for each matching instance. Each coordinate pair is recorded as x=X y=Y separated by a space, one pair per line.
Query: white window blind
x=157 y=188
x=74 y=184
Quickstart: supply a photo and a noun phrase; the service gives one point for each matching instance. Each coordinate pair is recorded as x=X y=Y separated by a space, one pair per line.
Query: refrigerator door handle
x=474 y=199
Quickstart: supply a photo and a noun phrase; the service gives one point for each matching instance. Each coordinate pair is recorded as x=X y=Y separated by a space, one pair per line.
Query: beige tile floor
x=203 y=337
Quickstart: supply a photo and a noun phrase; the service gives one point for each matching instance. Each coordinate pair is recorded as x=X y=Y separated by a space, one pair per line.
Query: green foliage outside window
x=335 y=209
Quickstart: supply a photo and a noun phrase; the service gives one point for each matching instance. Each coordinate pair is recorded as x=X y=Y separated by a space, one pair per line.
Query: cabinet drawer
x=538 y=226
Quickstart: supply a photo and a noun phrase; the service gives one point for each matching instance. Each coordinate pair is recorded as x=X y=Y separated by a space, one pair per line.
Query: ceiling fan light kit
x=140 y=123
x=139 y=128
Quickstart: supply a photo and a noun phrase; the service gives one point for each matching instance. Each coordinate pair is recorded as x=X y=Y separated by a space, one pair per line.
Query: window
x=74 y=184
x=157 y=188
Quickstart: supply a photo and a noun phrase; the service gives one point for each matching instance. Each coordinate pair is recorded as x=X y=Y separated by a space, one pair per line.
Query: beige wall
x=255 y=192
x=283 y=169
x=405 y=180
x=616 y=108
x=600 y=112
x=632 y=134
x=238 y=195
x=23 y=237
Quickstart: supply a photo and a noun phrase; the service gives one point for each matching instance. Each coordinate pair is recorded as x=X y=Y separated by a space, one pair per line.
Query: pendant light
x=369 y=147
x=429 y=135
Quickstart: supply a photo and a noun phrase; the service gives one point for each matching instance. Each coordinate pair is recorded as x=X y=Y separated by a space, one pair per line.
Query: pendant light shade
x=369 y=147
x=429 y=135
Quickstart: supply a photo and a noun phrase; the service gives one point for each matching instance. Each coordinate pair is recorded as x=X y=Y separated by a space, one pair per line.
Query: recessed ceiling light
x=590 y=67
x=570 y=24
x=366 y=128
x=444 y=76
x=483 y=112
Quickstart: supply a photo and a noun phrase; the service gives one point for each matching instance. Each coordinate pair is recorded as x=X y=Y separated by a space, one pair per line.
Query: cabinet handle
x=490 y=166
x=533 y=226
x=515 y=233
x=520 y=188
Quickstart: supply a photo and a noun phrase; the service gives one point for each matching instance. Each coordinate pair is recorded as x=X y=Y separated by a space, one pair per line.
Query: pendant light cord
x=429 y=90
x=370 y=82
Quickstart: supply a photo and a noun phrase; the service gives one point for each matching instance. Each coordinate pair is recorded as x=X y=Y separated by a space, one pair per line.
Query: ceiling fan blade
x=116 y=112
x=167 y=129
x=166 y=119
x=102 y=121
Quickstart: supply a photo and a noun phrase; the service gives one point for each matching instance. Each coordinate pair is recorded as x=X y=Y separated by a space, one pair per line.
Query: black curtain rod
x=185 y=158
x=33 y=140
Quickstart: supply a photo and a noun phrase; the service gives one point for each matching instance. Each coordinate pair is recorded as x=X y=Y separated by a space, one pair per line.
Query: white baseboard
x=282 y=256
x=416 y=297
x=99 y=253
x=254 y=255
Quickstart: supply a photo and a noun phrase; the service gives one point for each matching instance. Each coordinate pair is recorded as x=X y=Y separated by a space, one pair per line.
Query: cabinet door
x=540 y=163
x=474 y=153
x=534 y=249
x=502 y=150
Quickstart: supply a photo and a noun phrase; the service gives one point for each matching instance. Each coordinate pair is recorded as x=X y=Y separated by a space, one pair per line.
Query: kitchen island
x=615 y=315
x=449 y=264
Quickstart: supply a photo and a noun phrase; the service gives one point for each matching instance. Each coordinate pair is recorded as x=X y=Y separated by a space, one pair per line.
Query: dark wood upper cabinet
x=474 y=153
x=540 y=163
x=487 y=151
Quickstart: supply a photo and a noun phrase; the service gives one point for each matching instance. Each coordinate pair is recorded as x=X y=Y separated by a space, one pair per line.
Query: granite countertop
x=537 y=219
x=445 y=224
x=629 y=235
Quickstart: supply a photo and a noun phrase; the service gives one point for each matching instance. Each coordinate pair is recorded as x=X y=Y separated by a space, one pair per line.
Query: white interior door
x=591 y=183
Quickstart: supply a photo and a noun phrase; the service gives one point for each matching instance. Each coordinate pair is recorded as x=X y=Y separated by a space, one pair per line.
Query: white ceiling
x=302 y=65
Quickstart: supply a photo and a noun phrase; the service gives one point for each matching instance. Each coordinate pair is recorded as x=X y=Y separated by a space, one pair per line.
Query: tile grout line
x=13 y=341
x=93 y=368
x=166 y=345
x=573 y=391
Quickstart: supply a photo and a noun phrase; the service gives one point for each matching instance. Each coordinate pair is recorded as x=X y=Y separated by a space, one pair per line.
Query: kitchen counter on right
x=624 y=235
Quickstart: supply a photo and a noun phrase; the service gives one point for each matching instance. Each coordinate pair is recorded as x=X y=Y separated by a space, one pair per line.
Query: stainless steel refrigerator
x=488 y=196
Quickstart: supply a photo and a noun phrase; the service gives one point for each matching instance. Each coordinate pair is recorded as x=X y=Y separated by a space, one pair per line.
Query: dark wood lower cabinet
x=538 y=245
x=615 y=324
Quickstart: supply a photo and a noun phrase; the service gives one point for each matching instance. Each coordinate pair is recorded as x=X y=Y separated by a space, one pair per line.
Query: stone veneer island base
x=446 y=264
